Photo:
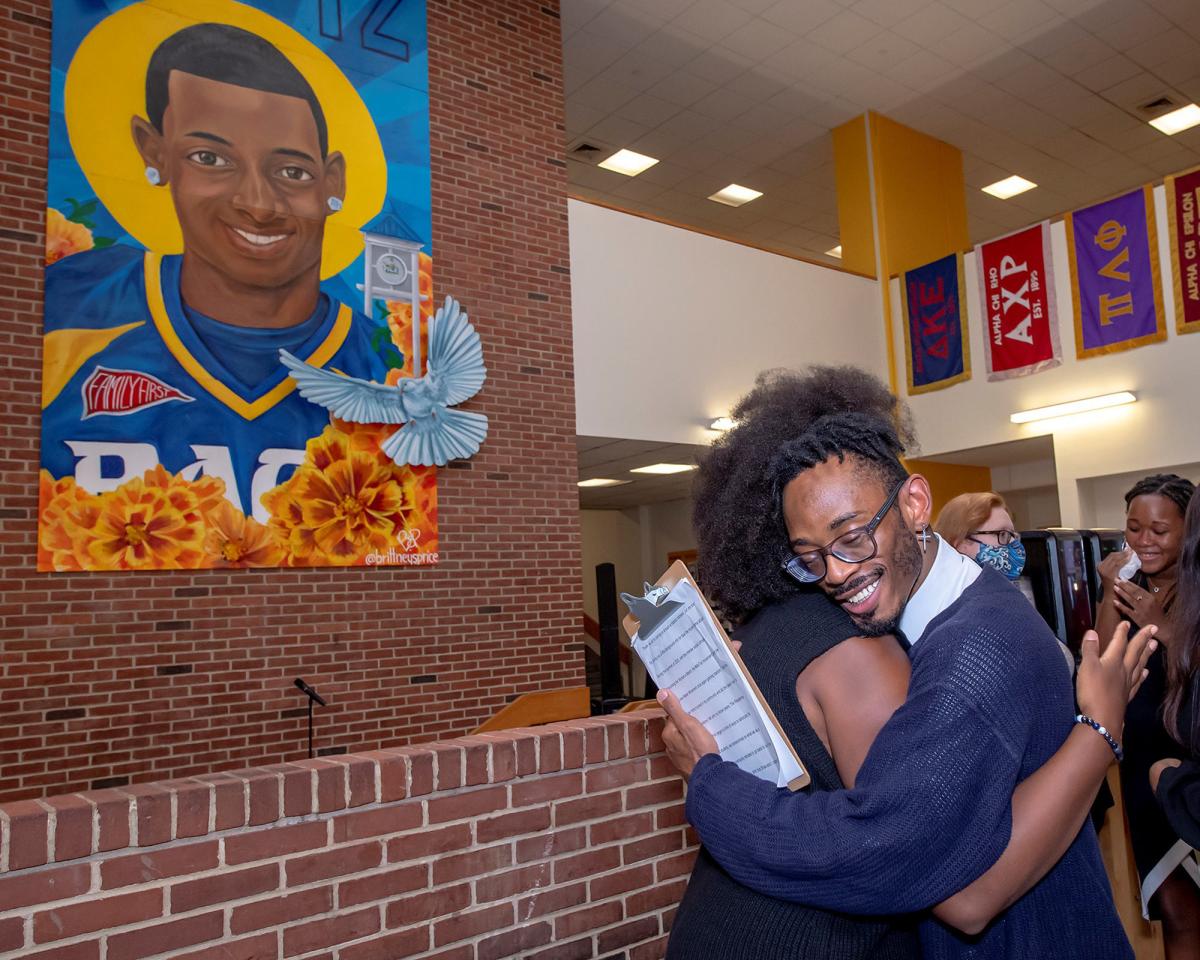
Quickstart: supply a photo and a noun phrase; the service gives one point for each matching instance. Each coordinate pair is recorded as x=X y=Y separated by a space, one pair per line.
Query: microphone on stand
x=309 y=692
x=313 y=697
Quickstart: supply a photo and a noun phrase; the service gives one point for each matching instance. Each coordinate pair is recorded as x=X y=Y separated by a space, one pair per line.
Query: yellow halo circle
x=106 y=87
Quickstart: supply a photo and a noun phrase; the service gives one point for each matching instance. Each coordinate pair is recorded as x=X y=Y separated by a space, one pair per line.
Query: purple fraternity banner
x=1183 y=211
x=1115 y=278
x=936 y=353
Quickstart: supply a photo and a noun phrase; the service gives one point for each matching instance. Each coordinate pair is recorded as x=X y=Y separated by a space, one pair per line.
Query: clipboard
x=678 y=572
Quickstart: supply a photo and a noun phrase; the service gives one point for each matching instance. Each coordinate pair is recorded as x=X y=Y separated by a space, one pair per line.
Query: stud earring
x=153 y=177
x=335 y=203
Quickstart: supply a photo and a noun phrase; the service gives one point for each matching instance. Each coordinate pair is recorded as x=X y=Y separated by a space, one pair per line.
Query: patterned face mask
x=1009 y=560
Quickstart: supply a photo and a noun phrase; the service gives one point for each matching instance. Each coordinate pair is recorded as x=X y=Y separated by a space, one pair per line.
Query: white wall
x=1102 y=499
x=1161 y=429
x=610 y=536
x=672 y=326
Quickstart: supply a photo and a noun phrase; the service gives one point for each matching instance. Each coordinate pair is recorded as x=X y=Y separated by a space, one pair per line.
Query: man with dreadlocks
x=932 y=806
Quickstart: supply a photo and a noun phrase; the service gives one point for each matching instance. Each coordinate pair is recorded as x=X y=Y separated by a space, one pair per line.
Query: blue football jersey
x=127 y=383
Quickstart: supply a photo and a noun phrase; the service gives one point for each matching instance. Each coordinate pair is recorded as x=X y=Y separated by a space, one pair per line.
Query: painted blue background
x=373 y=35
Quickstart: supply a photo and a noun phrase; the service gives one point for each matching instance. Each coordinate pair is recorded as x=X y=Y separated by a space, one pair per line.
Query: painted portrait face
x=247 y=178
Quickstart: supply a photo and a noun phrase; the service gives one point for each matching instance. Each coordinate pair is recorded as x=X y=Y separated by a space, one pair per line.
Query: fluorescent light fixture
x=1182 y=119
x=628 y=163
x=601 y=482
x=835 y=252
x=722 y=424
x=1073 y=407
x=1009 y=187
x=735 y=195
x=662 y=469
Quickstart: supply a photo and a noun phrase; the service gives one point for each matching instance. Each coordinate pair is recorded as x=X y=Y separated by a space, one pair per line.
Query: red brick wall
x=554 y=843
x=111 y=679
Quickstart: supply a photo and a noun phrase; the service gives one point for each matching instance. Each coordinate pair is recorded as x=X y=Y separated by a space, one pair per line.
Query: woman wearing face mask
x=978 y=525
x=1154 y=521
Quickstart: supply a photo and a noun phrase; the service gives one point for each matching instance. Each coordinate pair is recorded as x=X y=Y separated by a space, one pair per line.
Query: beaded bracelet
x=1099 y=728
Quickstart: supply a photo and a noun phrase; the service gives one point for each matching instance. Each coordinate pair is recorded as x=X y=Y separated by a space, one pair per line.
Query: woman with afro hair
x=831 y=688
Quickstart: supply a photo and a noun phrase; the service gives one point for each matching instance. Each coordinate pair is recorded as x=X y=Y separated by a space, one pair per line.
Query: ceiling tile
x=757 y=85
x=719 y=66
x=672 y=45
x=971 y=45
x=584 y=56
x=1018 y=19
x=1137 y=24
x=800 y=18
x=604 y=94
x=712 y=19
x=649 y=111
x=580 y=117
x=683 y=88
x=575 y=13
x=665 y=173
x=930 y=24
x=888 y=13
x=1111 y=71
x=757 y=40
x=615 y=130
x=1079 y=54
x=844 y=32
x=883 y=51
x=1137 y=90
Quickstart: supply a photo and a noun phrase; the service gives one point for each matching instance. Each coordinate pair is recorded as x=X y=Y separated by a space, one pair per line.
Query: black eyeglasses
x=854 y=546
x=1003 y=537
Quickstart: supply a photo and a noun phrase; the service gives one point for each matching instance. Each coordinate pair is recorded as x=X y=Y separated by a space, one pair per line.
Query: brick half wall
x=562 y=842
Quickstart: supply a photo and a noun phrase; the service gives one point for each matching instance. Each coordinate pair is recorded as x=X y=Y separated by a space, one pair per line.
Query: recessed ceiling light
x=1182 y=119
x=1074 y=406
x=722 y=424
x=665 y=468
x=835 y=252
x=735 y=195
x=628 y=163
x=601 y=482
x=1009 y=187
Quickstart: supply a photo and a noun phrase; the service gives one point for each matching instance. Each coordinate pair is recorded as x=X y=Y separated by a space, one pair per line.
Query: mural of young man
x=163 y=394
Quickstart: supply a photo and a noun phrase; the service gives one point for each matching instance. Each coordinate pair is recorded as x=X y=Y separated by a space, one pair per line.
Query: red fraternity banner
x=1016 y=288
x=1183 y=210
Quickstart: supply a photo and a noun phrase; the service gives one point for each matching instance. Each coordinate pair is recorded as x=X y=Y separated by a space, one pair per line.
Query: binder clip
x=650 y=610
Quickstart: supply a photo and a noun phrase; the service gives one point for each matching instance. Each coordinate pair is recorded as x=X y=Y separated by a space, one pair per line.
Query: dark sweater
x=988 y=703
x=718 y=916
x=1179 y=787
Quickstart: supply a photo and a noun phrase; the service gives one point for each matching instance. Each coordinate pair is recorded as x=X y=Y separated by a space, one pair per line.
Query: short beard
x=905 y=566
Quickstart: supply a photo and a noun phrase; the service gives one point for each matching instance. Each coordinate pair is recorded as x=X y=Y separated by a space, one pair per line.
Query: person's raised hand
x=1110 y=566
x=1107 y=682
x=1140 y=606
x=685 y=738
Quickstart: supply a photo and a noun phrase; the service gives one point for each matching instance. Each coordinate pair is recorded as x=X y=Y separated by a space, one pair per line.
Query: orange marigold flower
x=347 y=499
x=65 y=237
x=65 y=512
x=140 y=527
x=195 y=499
x=235 y=540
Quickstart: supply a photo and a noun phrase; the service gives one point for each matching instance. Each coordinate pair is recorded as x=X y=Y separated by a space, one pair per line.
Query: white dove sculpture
x=433 y=431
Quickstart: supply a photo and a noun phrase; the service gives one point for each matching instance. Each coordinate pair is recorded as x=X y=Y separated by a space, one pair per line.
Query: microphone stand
x=313 y=697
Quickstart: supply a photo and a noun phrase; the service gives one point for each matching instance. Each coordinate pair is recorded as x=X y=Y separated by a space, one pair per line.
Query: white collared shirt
x=949 y=576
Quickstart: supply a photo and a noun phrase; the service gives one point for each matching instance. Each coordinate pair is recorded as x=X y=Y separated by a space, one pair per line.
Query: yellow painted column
x=901 y=203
